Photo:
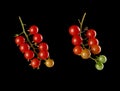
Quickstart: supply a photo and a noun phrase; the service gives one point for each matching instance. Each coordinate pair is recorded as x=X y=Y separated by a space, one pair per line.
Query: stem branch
x=26 y=35
x=94 y=59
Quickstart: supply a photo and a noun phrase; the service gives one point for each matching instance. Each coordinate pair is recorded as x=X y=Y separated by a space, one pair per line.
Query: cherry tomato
x=33 y=29
x=91 y=33
x=43 y=46
x=24 y=47
x=102 y=58
x=19 y=40
x=37 y=38
x=95 y=49
x=35 y=63
x=43 y=54
x=85 y=54
x=99 y=66
x=29 y=54
x=74 y=30
x=77 y=50
x=77 y=40
x=49 y=63
x=93 y=41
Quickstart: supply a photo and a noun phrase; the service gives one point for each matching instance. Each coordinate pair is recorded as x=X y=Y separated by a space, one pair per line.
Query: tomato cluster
x=34 y=51
x=86 y=44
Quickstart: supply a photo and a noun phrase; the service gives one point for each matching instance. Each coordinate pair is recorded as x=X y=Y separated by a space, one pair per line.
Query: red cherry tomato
x=77 y=50
x=74 y=30
x=29 y=54
x=77 y=40
x=19 y=40
x=37 y=38
x=33 y=29
x=93 y=41
x=24 y=47
x=43 y=46
x=91 y=33
x=35 y=63
x=43 y=54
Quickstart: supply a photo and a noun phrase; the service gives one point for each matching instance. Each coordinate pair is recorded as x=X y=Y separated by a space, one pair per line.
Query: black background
x=53 y=20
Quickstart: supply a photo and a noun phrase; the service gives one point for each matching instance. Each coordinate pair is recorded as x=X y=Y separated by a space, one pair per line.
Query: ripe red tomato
x=29 y=54
x=43 y=54
x=35 y=63
x=33 y=29
x=91 y=33
x=24 y=47
x=77 y=40
x=37 y=38
x=77 y=50
x=19 y=40
x=43 y=46
x=95 y=49
x=93 y=41
x=74 y=30
x=85 y=54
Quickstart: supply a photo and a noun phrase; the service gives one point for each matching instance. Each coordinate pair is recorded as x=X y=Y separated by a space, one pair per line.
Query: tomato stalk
x=26 y=35
x=93 y=59
x=21 y=33
x=86 y=28
x=81 y=22
x=32 y=46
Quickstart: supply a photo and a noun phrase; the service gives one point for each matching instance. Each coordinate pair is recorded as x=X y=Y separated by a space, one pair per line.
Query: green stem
x=83 y=46
x=26 y=35
x=94 y=59
x=81 y=24
x=21 y=33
